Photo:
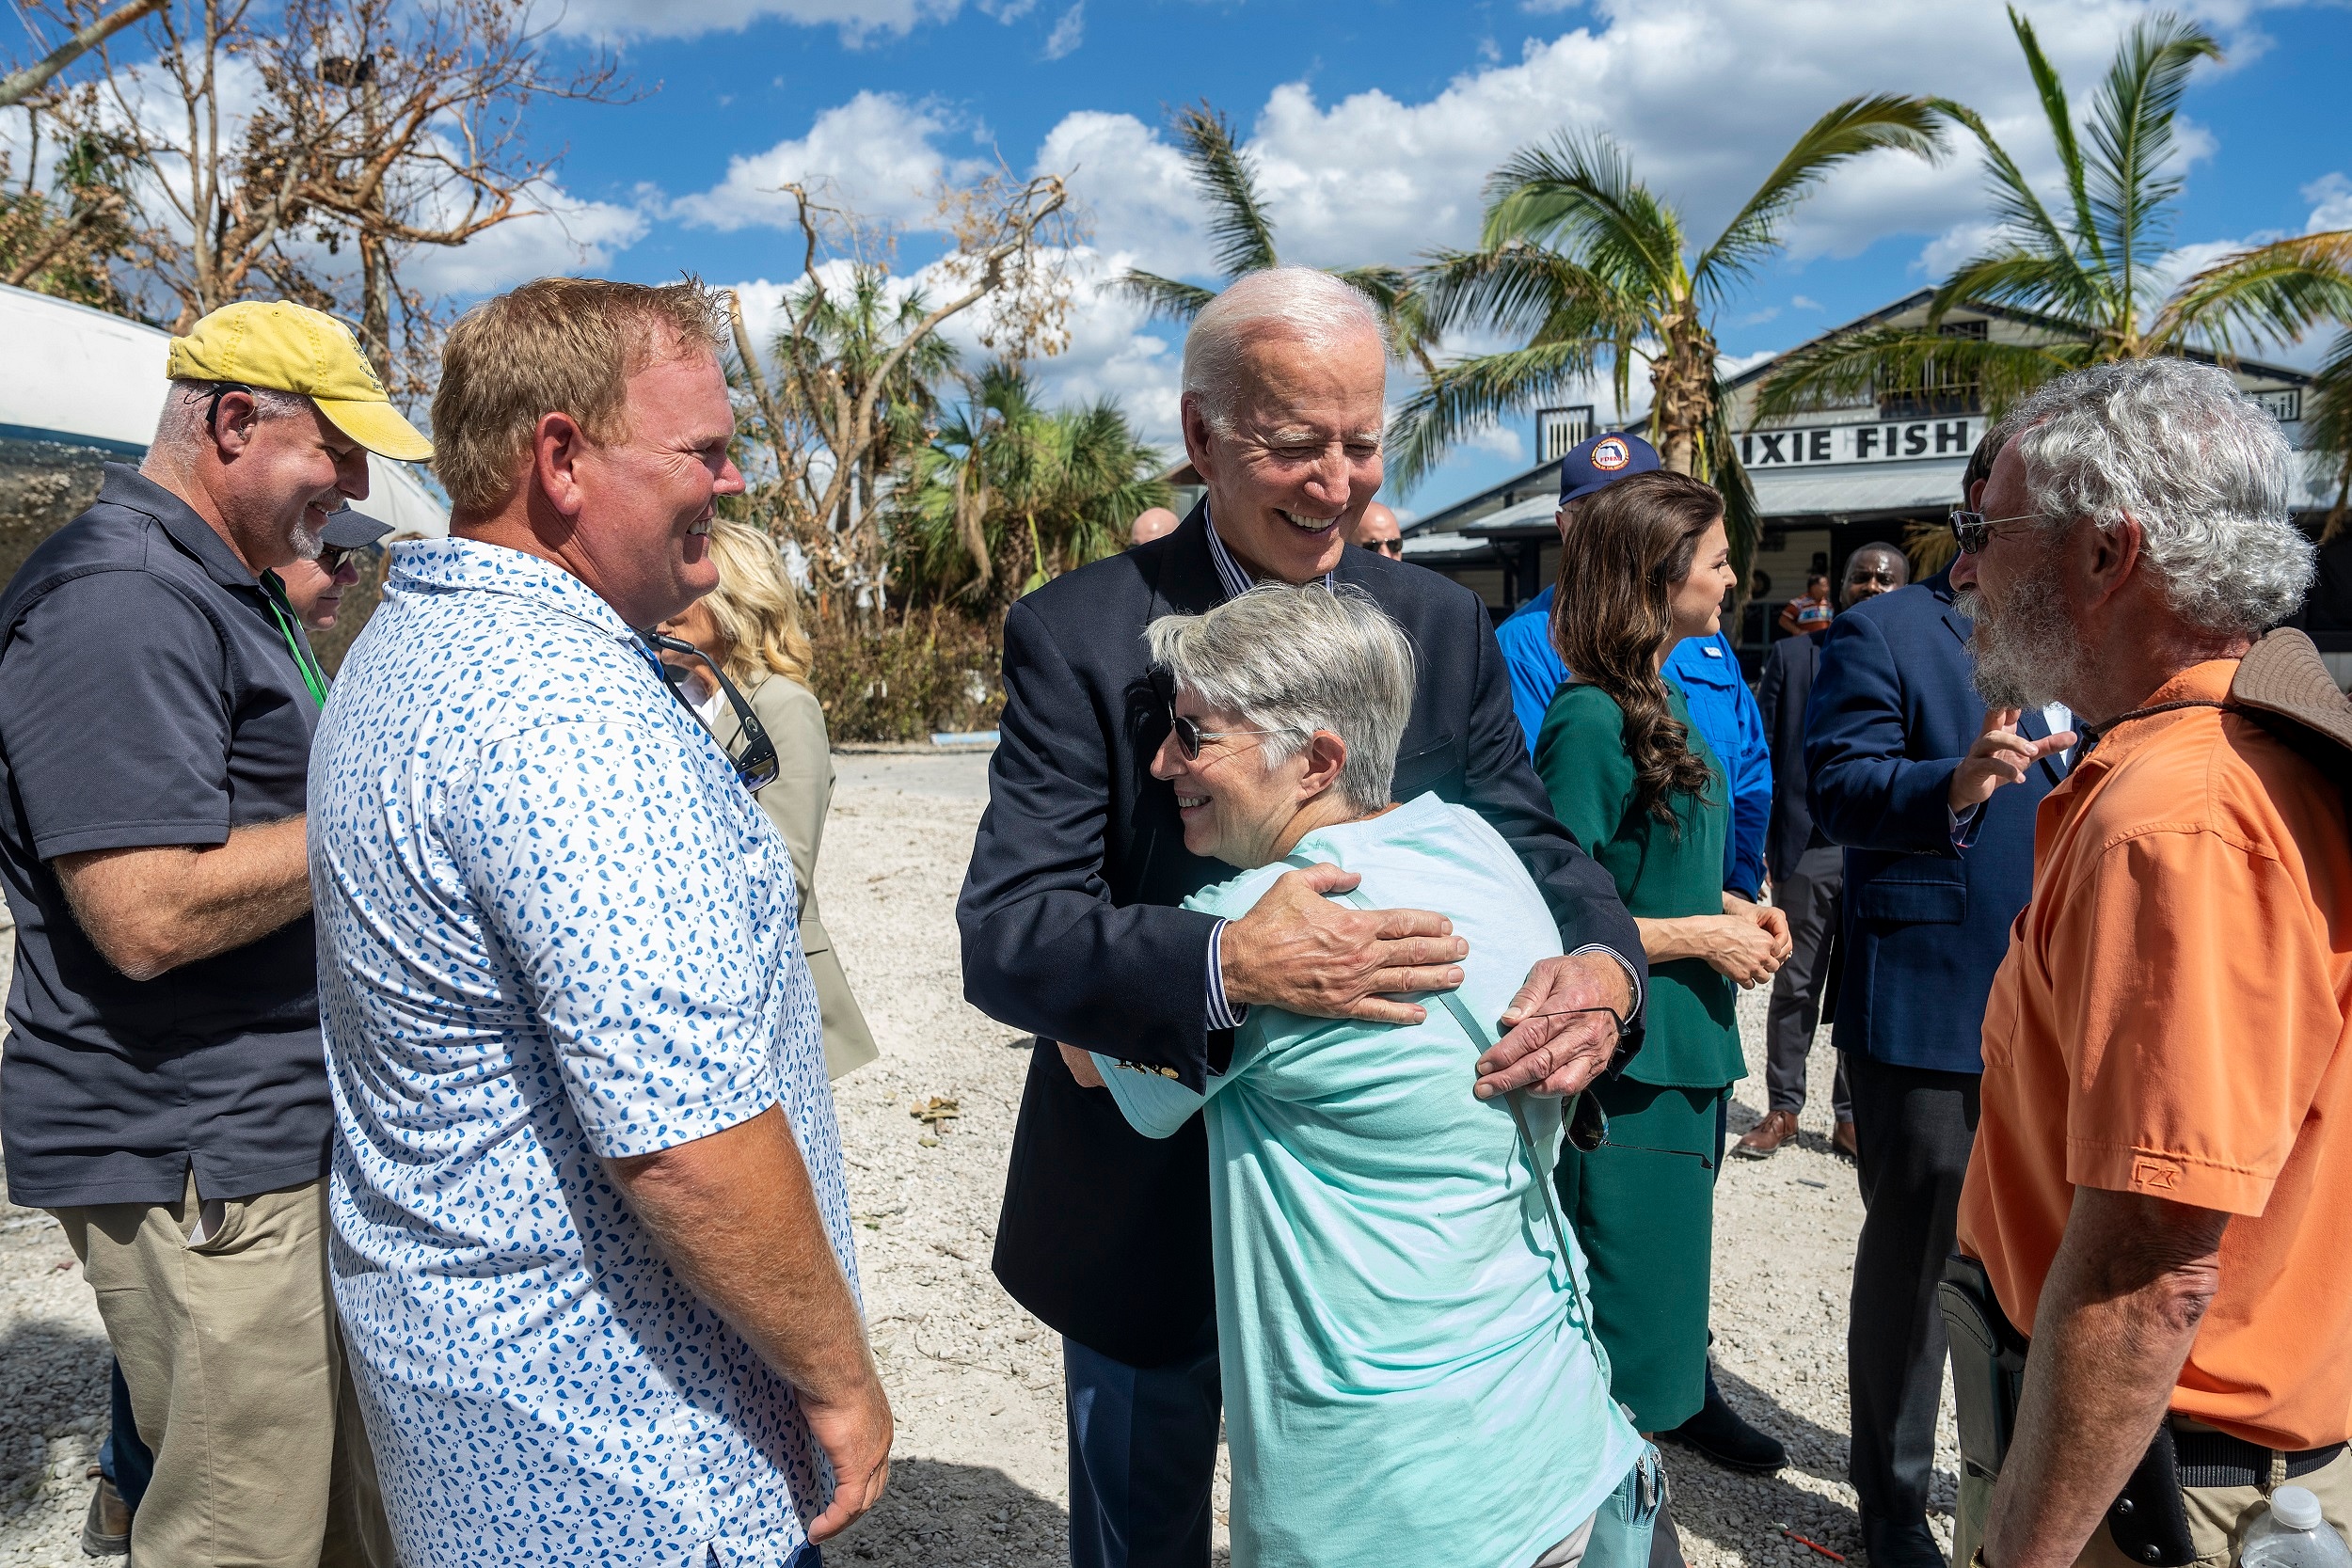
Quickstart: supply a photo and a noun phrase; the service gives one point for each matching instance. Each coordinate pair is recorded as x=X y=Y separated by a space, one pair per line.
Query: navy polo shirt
x=147 y=697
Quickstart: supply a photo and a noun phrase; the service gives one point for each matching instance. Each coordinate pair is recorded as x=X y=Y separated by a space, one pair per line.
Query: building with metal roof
x=1828 y=484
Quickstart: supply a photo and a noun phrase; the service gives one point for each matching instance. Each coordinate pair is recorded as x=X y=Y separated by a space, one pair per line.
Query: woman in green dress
x=1644 y=565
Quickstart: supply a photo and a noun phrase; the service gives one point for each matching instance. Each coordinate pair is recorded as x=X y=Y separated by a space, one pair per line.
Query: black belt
x=2217 y=1459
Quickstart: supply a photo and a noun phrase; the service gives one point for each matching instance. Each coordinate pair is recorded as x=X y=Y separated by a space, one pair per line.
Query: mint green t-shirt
x=1407 y=1378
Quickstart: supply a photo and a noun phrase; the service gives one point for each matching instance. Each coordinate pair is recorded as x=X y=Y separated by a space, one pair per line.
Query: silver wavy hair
x=2196 y=463
x=1296 y=660
x=1311 y=304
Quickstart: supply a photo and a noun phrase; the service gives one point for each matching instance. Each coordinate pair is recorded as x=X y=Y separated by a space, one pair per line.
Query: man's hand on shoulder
x=1558 y=1042
x=1299 y=951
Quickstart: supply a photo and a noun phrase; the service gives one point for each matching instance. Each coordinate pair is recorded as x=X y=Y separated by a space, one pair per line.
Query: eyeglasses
x=334 y=557
x=1190 y=735
x=1973 y=530
x=755 y=760
x=1393 y=549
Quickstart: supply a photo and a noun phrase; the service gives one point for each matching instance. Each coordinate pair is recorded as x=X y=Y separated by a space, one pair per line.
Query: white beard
x=2025 y=654
x=307 y=541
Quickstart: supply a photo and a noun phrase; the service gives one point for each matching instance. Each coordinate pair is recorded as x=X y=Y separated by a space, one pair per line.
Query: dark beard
x=2026 y=652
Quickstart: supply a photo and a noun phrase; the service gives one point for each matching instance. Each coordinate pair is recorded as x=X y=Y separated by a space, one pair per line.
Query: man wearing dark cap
x=314 y=586
x=163 y=1083
x=1724 y=710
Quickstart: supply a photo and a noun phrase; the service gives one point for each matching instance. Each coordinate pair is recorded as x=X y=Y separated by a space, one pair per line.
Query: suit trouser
x=1914 y=1127
x=1142 y=1456
x=1807 y=895
x=234 y=1366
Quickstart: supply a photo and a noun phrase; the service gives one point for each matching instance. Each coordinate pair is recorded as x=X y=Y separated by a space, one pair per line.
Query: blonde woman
x=750 y=627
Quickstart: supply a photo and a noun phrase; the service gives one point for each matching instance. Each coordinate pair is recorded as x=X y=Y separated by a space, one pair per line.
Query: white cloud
x=1069 y=32
x=2331 y=197
x=1800 y=302
x=566 y=235
x=875 y=153
x=858 y=20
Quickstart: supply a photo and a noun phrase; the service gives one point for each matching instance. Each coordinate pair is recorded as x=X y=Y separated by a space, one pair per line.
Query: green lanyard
x=273 y=590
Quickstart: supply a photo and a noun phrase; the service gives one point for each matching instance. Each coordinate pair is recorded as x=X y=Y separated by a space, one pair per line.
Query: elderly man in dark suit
x=1904 y=764
x=1807 y=869
x=1068 y=918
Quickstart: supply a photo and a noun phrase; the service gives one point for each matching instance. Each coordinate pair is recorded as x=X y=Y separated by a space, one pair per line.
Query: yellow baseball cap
x=292 y=348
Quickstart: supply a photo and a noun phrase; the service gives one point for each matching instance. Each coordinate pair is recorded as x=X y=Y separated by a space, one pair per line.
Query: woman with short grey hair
x=1398 y=1304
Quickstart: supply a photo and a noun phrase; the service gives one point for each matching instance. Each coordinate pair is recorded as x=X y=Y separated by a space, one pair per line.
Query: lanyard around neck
x=273 y=591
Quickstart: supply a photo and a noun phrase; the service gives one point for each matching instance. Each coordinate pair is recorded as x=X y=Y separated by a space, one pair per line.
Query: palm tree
x=2090 y=272
x=1582 y=263
x=1226 y=178
x=1006 y=484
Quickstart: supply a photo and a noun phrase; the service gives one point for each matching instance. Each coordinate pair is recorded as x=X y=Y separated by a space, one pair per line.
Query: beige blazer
x=796 y=803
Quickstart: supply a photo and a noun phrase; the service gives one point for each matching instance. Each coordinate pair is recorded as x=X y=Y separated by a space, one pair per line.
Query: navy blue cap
x=349 y=531
x=1596 y=465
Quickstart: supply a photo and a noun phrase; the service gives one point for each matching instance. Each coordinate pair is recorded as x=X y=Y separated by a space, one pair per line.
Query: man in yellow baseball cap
x=292 y=348
x=163 y=1083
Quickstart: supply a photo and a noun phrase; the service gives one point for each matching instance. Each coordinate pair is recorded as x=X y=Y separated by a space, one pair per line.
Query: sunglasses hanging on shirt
x=753 y=756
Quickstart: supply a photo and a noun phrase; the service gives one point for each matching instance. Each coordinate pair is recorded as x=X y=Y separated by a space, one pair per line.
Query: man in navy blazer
x=1069 y=919
x=1897 y=750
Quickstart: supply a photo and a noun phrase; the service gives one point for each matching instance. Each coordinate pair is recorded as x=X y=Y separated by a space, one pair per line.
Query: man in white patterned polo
x=594 y=1261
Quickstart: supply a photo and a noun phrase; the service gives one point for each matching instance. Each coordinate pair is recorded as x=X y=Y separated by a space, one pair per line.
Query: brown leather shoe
x=106 y=1528
x=1766 y=1137
x=1842 y=1141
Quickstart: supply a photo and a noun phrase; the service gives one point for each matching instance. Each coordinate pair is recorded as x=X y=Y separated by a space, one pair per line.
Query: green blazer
x=796 y=801
x=1661 y=871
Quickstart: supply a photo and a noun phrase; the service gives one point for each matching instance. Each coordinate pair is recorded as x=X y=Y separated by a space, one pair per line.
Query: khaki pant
x=2218 y=1516
x=230 y=1348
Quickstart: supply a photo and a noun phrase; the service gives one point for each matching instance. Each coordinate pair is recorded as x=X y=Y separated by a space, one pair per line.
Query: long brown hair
x=1625 y=549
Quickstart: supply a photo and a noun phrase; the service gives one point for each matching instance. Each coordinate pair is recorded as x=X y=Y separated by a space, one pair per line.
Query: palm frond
x=2015 y=204
x=2131 y=139
x=1163 y=296
x=2051 y=89
x=1226 y=178
x=1858 y=367
x=1854 y=128
x=1526 y=291
x=2277 y=290
x=1467 y=394
x=2051 y=287
x=2327 y=426
x=1577 y=194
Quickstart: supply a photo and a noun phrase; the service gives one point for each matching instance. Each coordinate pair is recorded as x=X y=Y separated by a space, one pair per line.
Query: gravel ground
x=975 y=1382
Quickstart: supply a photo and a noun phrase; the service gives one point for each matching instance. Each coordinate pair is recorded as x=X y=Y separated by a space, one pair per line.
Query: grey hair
x=181 y=426
x=2197 y=464
x=1296 y=660
x=1310 y=305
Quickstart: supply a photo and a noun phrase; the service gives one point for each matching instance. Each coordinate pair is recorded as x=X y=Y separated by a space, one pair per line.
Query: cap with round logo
x=292 y=348
x=1600 y=462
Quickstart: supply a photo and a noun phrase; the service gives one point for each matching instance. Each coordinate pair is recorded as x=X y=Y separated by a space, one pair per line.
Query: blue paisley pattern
x=553 y=931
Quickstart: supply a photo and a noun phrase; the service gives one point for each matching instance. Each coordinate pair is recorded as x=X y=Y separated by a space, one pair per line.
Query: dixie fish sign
x=1883 y=441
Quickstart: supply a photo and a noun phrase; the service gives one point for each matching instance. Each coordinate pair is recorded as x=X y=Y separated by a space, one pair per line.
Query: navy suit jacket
x=1071 y=930
x=1781 y=697
x=1925 y=924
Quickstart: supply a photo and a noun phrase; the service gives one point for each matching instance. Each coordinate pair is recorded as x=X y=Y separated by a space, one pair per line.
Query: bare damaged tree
x=855 y=353
x=19 y=85
x=376 y=125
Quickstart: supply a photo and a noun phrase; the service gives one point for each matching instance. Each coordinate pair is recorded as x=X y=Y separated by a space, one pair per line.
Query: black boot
x=1906 y=1544
x=1717 y=1432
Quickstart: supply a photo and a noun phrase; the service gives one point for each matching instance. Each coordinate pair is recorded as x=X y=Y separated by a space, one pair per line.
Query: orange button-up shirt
x=2174 y=1018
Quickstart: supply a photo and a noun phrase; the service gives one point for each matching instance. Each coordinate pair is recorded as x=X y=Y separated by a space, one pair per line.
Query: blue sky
x=1372 y=123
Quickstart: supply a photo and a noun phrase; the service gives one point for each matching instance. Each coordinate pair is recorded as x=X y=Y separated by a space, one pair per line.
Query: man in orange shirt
x=2161 y=1190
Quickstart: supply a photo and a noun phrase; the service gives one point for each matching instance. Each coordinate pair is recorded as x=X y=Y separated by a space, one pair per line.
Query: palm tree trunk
x=1682 y=385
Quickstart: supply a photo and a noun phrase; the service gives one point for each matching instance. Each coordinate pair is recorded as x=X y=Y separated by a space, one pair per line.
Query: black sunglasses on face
x=1190 y=735
x=754 y=757
x=333 y=558
x=1393 y=549
x=1973 y=530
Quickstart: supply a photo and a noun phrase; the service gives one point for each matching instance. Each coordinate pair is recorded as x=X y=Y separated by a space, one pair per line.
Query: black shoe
x=1905 y=1544
x=1717 y=1432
